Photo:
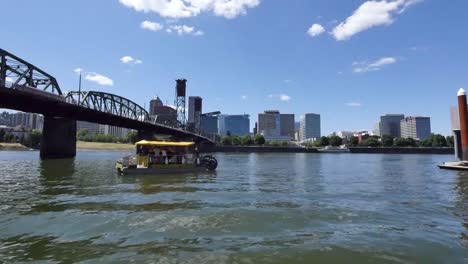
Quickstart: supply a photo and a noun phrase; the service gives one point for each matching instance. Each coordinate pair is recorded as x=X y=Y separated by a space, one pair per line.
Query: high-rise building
x=310 y=127
x=194 y=111
x=276 y=126
x=390 y=125
x=376 y=130
x=416 y=127
x=94 y=128
x=163 y=114
x=236 y=125
x=29 y=120
x=209 y=125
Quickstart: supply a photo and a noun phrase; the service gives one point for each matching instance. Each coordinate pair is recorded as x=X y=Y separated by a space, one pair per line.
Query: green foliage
x=34 y=139
x=371 y=142
x=405 y=142
x=9 y=138
x=132 y=136
x=387 y=141
x=247 y=140
x=236 y=140
x=2 y=135
x=435 y=140
x=324 y=141
x=274 y=143
x=450 y=141
x=259 y=139
x=335 y=141
x=227 y=141
x=284 y=143
x=353 y=141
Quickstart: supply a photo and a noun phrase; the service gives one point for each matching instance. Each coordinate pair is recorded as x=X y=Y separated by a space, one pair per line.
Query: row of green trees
x=31 y=140
x=85 y=135
x=229 y=140
x=435 y=140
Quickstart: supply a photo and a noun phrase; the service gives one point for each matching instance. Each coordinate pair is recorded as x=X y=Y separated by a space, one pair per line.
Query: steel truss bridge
x=25 y=87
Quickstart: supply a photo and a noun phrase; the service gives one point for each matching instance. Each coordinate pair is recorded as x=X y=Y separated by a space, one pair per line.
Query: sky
x=350 y=61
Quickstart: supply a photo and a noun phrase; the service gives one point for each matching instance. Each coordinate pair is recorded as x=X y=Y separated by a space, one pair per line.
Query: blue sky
x=361 y=59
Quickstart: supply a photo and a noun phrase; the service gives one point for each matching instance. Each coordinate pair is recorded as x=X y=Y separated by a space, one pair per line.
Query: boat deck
x=454 y=166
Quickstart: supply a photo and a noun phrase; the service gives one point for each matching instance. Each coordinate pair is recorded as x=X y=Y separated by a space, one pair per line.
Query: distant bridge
x=25 y=87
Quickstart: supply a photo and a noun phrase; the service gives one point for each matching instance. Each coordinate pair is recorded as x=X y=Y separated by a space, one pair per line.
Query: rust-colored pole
x=463 y=112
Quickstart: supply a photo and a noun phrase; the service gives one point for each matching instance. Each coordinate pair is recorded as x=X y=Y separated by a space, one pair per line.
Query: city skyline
x=319 y=63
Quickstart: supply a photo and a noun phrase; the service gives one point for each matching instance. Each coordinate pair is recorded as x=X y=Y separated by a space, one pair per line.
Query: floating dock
x=461 y=165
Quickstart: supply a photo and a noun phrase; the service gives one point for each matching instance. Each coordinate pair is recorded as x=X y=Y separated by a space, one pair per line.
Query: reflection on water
x=266 y=208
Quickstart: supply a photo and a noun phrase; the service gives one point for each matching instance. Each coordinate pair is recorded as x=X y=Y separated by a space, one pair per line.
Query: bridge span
x=25 y=87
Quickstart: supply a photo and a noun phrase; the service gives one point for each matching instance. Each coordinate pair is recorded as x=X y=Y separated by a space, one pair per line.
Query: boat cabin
x=155 y=154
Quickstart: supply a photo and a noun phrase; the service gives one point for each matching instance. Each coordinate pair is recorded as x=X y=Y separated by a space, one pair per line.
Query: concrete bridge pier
x=58 y=138
x=144 y=135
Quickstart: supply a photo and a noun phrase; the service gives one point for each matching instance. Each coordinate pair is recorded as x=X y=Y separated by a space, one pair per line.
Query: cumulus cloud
x=282 y=97
x=244 y=97
x=189 y=8
x=315 y=30
x=184 y=30
x=130 y=60
x=78 y=70
x=152 y=26
x=354 y=104
x=371 y=14
x=361 y=67
x=99 y=79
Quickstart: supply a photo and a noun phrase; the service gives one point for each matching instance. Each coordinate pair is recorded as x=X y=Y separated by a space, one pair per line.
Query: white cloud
x=153 y=26
x=315 y=30
x=287 y=81
x=78 y=70
x=99 y=79
x=244 y=97
x=130 y=60
x=184 y=30
x=371 y=14
x=282 y=97
x=189 y=8
x=361 y=67
x=354 y=104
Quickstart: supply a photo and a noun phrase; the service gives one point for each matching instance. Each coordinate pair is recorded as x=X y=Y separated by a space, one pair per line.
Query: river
x=256 y=208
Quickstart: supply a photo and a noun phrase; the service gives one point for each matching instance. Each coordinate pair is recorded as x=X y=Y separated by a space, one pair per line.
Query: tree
x=284 y=143
x=132 y=136
x=401 y=142
x=247 y=140
x=438 y=140
x=34 y=139
x=324 y=141
x=354 y=141
x=2 y=135
x=259 y=139
x=387 y=140
x=236 y=140
x=371 y=142
x=335 y=141
x=450 y=141
x=227 y=140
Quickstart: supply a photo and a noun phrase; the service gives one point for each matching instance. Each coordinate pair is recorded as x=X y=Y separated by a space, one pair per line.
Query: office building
x=390 y=125
x=376 y=130
x=235 y=125
x=94 y=128
x=416 y=127
x=28 y=120
x=163 y=114
x=120 y=132
x=310 y=127
x=194 y=112
x=275 y=126
x=209 y=125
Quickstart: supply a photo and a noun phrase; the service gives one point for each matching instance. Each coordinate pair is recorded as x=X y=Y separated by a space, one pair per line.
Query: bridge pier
x=58 y=138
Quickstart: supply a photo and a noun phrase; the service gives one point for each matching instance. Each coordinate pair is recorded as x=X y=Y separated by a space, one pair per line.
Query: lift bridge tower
x=181 y=91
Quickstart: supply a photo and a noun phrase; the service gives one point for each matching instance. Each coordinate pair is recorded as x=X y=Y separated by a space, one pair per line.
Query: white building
x=94 y=128
x=416 y=127
x=29 y=120
x=310 y=129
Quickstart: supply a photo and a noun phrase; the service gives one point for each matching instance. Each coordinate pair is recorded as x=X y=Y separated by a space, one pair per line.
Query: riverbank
x=104 y=146
x=13 y=146
x=256 y=149
x=402 y=150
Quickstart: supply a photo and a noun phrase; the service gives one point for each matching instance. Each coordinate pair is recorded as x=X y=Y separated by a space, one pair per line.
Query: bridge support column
x=58 y=138
x=144 y=135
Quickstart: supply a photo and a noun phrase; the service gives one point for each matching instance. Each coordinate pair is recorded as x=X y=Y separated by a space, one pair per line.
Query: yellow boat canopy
x=164 y=143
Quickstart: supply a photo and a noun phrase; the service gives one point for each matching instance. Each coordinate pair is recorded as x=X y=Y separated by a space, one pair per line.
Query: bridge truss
x=108 y=103
x=16 y=72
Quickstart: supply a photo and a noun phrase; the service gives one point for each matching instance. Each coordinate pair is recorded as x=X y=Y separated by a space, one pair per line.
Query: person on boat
x=164 y=155
x=197 y=156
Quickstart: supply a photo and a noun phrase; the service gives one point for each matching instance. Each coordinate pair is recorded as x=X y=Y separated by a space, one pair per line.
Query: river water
x=257 y=208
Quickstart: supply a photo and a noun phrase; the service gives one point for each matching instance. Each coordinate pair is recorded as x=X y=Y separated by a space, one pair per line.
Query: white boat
x=331 y=149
